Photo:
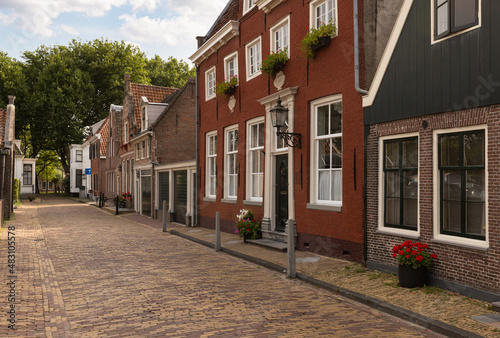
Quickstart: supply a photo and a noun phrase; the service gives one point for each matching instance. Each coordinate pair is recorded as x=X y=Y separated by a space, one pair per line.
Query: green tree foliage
x=48 y=167
x=11 y=78
x=171 y=73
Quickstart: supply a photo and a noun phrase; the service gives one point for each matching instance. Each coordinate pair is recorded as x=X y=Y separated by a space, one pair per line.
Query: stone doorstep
x=267 y=243
x=492 y=320
x=496 y=306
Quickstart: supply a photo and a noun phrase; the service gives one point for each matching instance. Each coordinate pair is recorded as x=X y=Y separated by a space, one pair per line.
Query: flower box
x=323 y=41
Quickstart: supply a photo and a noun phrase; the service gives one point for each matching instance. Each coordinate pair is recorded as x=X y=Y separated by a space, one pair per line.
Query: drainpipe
x=356 y=51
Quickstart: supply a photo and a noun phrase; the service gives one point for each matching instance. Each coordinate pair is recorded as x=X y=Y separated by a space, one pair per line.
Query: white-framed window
x=211 y=189
x=248 y=5
x=322 y=12
x=255 y=159
x=143 y=148
x=326 y=164
x=210 y=84
x=144 y=118
x=231 y=162
x=461 y=185
x=79 y=156
x=280 y=35
x=453 y=16
x=125 y=133
x=398 y=184
x=253 y=58
x=137 y=151
x=231 y=66
x=27 y=174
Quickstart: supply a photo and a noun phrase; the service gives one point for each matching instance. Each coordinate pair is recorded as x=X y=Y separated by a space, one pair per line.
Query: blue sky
x=163 y=27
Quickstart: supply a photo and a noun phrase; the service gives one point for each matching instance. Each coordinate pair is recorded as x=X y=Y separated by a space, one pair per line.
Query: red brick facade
x=334 y=233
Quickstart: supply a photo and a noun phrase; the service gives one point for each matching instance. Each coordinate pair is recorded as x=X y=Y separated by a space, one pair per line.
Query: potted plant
x=246 y=226
x=414 y=263
x=127 y=197
x=274 y=62
x=317 y=38
x=227 y=87
x=120 y=200
x=31 y=198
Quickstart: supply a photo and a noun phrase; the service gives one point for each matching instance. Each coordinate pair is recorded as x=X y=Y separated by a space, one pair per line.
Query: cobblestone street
x=82 y=272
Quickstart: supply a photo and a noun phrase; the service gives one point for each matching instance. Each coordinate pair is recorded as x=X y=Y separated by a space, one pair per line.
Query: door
x=180 y=196
x=146 y=192
x=281 y=200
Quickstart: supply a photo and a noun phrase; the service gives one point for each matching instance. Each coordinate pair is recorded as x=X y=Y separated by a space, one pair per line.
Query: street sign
x=88 y=171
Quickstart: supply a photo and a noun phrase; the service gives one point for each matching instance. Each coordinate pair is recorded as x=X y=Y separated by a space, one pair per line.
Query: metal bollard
x=291 y=271
x=165 y=216
x=117 y=203
x=217 y=232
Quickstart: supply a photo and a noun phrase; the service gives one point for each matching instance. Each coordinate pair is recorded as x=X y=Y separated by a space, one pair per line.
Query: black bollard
x=117 y=203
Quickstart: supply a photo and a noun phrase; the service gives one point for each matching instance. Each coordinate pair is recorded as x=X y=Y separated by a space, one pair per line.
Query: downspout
x=356 y=50
x=195 y=216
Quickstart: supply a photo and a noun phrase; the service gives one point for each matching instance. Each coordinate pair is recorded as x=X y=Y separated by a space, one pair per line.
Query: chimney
x=10 y=123
x=127 y=83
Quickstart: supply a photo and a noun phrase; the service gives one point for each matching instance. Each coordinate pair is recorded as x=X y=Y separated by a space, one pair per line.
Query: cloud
x=69 y=30
x=139 y=5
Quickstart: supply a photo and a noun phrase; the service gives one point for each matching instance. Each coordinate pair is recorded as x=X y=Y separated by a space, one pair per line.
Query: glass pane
x=336 y=185
x=452 y=184
x=392 y=155
x=392 y=186
x=232 y=186
x=324 y=185
x=442 y=19
x=253 y=136
x=336 y=152
x=474 y=149
x=450 y=154
x=451 y=216
x=475 y=185
x=261 y=134
x=440 y=2
x=392 y=210
x=324 y=154
x=255 y=161
x=410 y=212
x=336 y=118
x=230 y=164
x=410 y=187
x=410 y=154
x=465 y=12
x=322 y=126
x=475 y=218
x=261 y=162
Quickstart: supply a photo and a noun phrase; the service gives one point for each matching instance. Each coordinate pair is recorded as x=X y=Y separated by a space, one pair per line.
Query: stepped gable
x=153 y=93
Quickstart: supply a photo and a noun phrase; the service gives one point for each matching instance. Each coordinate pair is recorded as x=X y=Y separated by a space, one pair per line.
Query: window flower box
x=227 y=87
x=274 y=62
x=317 y=38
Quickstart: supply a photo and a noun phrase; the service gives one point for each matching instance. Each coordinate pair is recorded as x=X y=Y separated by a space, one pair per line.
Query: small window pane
x=450 y=153
x=392 y=155
x=443 y=24
x=324 y=154
x=452 y=216
x=336 y=118
x=336 y=185
x=475 y=218
x=392 y=211
x=410 y=187
x=323 y=120
x=336 y=152
x=465 y=12
x=324 y=185
x=452 y=185
x=410 y=154
x=261 y=134
x=392 y=184
x=475 y=185
x=410 y=212
x=474 y=149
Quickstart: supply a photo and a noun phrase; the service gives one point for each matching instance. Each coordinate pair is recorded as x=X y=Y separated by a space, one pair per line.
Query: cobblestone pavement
x=82 y=272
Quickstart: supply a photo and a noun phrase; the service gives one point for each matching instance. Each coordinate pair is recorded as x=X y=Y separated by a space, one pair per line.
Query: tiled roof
x=153 y=93
x=104 y=131
x=3 y=120
x=229 y=13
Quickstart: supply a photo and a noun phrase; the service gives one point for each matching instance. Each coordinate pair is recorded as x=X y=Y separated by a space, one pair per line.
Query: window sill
x=256 y=203
x=399 y=232
x=209 y=199
x=229 y=200
x=335 y=208
x=210 y=98
x=462 y=242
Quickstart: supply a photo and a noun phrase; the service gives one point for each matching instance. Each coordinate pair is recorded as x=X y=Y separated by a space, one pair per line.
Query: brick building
x=432 y=116
x=7 y=153
x=97 y=154
x=242 y=163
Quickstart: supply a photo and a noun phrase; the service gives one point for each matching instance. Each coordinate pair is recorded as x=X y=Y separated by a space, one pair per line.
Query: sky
x=163 y=27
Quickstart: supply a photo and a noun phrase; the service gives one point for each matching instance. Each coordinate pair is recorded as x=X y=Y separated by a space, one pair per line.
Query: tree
x=172 y=73
x=48 y=168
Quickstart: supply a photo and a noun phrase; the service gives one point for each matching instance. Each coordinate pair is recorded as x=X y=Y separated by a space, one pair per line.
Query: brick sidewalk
x=82 y=272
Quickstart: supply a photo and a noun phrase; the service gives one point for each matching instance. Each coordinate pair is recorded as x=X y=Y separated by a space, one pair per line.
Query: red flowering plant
x=413 y=254
x=274 y=62
x=127 y=195
x=247 y=225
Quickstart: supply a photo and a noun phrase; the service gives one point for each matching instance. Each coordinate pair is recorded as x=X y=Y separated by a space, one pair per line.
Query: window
x=164 y=188
x=451 y=16
x=125 y=139
x=210 y=83
x=323 y=12
x=144 y=119
x=256 y=159
x=143 y=144
x=231 y=163
x=400 y=183
x=253 y=57
x=248 y=5
x=231 y=66
x=79 y=156
x=211 y=165
x=462 y=184
x=27 y=174
x=137 y=151
x=327 y=150
x=280 y=36
x=78 y=176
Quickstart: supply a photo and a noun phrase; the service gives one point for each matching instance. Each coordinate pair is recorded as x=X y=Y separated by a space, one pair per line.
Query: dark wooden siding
x=453 y=74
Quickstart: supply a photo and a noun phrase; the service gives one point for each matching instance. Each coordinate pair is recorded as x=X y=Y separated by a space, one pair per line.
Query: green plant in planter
x=247 y=225
x=228 y=86
x=274 y=62
x=312 y=38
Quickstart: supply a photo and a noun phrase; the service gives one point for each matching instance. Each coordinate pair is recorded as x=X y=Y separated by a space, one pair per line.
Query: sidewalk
x=439 y=310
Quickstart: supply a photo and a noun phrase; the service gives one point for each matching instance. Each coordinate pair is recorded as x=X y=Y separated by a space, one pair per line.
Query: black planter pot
x=410 y=277
x=230 y=91
x=323 y=41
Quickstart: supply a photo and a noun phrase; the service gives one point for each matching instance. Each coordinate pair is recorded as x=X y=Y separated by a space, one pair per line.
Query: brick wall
x=466 y=266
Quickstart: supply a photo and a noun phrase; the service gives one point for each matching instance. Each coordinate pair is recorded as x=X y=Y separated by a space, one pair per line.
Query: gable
x=152 y=93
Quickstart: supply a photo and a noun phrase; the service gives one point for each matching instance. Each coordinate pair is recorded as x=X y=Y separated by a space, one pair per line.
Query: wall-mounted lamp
x=278 y=116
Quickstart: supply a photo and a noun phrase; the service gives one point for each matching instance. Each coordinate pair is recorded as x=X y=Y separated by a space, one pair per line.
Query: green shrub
x=17 y=190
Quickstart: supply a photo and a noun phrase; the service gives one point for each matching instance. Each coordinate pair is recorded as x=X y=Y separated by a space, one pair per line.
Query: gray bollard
x=165 y=216
x=217 y=232
x=117 y=203
x=291 y=271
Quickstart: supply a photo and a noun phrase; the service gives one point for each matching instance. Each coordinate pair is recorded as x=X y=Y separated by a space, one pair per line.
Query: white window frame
x=248 y=5
x=251 y=151
x=450 y=239
x=314 y=151
x=227 y=170
x=78 y=155
x=253 y=47
x=210 y=84
x=211 y=177
x=282 y=28
x=138 y=151
x=227 y=60
x=313 y=5
x=414 y=234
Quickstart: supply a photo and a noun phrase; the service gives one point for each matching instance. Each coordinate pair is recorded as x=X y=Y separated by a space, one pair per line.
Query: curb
x=396 y=311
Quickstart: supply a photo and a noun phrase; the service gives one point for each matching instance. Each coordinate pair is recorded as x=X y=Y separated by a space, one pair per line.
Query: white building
x=24 y=170
x=80 y=171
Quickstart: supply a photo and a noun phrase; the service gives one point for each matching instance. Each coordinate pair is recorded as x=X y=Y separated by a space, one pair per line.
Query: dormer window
x=144 y=113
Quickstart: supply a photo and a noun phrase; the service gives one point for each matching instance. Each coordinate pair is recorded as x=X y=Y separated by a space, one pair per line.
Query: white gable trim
x=387 y=56
x=226 y=33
